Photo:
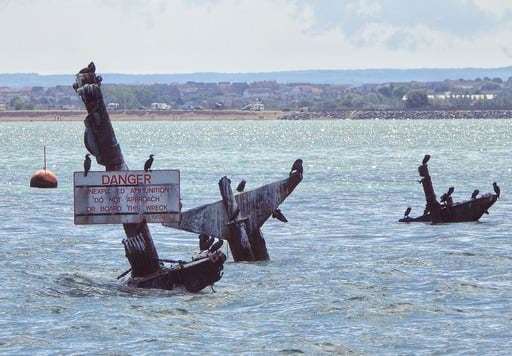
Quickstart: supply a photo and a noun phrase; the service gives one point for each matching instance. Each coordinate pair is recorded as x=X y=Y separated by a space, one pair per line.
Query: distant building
x=113 y=106
x=160 y=106
x=254 y=107
x=451 y=96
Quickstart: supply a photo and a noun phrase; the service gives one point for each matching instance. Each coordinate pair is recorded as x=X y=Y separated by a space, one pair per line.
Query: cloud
x=169 y=36
x=403 y=23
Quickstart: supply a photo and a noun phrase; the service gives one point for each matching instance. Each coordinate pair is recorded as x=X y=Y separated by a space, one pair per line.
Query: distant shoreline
x=239 y=115
x=140 y=115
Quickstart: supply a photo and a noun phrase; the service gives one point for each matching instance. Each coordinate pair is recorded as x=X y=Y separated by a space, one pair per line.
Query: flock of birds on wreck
x=446 y=199
x=236 y=219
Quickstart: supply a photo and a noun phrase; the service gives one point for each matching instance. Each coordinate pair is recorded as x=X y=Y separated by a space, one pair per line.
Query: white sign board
x=123 y=197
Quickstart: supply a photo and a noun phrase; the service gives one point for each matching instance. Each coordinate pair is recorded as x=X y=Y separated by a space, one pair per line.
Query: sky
x=183 y=36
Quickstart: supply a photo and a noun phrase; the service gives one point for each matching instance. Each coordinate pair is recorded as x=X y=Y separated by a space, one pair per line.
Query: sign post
x=127 y=197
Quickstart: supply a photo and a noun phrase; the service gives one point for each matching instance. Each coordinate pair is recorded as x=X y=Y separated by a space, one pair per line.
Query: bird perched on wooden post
x=475 y=194
x=497 y=189
x=297 y=167
x=241 y=186
x=426 y=159
x=87 y=165
x=149 y=162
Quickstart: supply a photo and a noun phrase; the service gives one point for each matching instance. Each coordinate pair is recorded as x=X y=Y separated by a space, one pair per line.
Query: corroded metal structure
x=147 y=270
x=239 y=218
x=446 y=211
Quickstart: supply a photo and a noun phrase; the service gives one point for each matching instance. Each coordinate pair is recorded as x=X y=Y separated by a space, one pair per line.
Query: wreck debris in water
x=236 y=218
x=447 y=211
x=147 y=269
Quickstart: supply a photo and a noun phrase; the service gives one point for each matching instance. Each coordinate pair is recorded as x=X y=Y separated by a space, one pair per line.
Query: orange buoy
x=44 y=178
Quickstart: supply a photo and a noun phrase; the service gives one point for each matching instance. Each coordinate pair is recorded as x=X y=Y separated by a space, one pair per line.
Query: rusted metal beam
x=240 y=216
x=237 y=237
x=432 y=205
x=255 y=205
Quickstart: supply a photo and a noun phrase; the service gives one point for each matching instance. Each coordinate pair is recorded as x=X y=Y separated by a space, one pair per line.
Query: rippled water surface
x=345 y=277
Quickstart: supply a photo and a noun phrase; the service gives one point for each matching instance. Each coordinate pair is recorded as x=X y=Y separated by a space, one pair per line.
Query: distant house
x=451 y=96
x=160 y=106
x=254 y=107
x=113 y=106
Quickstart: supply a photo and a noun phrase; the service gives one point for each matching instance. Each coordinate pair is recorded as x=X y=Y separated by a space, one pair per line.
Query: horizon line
x=274 y=71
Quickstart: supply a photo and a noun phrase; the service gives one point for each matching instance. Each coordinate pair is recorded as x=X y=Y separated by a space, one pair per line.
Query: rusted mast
x=101 y=142
x=238 y=238
x=432 y=206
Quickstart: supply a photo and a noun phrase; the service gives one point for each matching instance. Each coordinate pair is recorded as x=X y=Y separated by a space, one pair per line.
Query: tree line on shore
x=480 y=93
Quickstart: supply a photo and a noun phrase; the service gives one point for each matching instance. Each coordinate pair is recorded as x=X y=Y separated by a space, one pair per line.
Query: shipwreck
x=446 y=210
x=237 y=218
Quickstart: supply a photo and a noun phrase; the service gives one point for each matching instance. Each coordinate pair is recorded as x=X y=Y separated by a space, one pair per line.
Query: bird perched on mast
x=446 y=196
x=87 y=165
x=297 y=167
x=497 y=189
x=426 y=159
x=149 y=162
x=241 y=186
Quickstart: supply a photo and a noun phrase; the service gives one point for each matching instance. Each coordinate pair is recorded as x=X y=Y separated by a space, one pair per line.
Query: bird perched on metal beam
x=87 y=165
x=149 y=162
x=297 y=167
x=241 y=186
x=475 y=194
x=91 y=68
x=447 y=195
x=497 y=189
x=278 y=214
x=205 y=242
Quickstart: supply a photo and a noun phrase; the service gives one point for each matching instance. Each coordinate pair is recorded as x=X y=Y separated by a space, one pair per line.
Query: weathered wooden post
x=101 y=141
x=146 y=267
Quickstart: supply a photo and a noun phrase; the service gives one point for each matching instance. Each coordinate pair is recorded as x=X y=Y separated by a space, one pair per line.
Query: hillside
x=351 y=77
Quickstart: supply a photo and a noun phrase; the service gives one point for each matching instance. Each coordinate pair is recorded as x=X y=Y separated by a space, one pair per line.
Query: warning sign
x=121 y=197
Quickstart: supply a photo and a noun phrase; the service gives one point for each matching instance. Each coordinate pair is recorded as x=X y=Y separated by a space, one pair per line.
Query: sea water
x=344 y=275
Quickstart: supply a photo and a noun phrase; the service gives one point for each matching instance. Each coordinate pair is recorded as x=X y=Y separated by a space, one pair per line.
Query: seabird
x=149 y=162
x=87 y=165
x=91 y=68
x=278 y=214
x=497 y=189
x=241 y=186
x=425 y=159
x=297 y=167
x=475 y=194
x=407 y=212
x=205 y=242
x=447 y=195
